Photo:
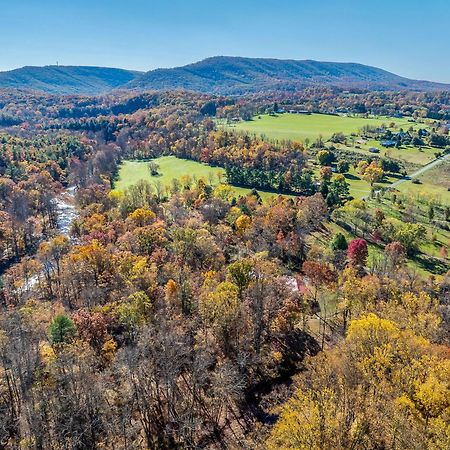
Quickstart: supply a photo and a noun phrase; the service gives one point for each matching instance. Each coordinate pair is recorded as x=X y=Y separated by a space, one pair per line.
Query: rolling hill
x=67 y=79
x=236 y=75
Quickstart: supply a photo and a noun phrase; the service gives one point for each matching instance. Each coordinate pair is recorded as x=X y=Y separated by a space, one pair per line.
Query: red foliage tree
x=92 y=327
x=358 y=252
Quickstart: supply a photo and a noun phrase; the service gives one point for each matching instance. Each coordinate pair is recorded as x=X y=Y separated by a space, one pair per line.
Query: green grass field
x=406 y=154
x=301 y=127
x=170 y=167
x=131 y=172
x=361 y=188
x=435 y=184
x=358 y=187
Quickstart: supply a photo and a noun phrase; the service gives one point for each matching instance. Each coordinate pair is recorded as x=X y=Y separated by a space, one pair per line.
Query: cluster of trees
x=386 y=382
x=53 y=111
x=438 y=137
x=375 y=225
x=303 y=182
x=159 y=327
x=164 y=322
x=228 y=149
x=385 y=386
x=32 y=172
x=418 y=106
x=334 y=189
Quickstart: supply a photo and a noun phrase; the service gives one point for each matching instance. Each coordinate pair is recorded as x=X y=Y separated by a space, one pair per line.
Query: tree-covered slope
x=236 y=75
x=218 y=75
x=66 y=79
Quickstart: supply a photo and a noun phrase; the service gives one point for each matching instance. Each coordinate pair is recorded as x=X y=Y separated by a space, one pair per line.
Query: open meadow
x=170 y=168
x=359 y=187
x=302 y=126
x=310 y=127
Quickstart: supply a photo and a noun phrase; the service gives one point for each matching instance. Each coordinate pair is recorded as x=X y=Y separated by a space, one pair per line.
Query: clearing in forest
x=170 y=168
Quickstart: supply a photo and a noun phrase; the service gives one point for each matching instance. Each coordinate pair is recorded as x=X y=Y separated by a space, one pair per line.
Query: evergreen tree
x=62 y=330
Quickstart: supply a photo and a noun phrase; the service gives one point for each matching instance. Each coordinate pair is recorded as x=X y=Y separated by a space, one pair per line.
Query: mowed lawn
x=170 y=168
x=301 y=126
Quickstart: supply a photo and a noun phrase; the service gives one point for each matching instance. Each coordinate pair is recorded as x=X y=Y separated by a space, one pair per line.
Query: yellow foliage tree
x=373 y=173
x=141 y=217
x=243 y=223
x=383 y=387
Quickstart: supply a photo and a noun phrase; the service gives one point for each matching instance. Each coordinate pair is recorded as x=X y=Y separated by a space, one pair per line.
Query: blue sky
x=411 y=38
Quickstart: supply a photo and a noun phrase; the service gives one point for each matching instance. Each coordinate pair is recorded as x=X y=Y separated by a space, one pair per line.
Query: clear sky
x=411 y=38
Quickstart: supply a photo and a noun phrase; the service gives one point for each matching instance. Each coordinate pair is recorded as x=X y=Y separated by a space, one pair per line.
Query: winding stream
x=66 y=214
x=66 y=211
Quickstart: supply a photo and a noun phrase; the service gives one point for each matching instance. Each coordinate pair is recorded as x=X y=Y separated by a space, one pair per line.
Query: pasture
x=360 y=188
x=298 y=127
x=301 y=127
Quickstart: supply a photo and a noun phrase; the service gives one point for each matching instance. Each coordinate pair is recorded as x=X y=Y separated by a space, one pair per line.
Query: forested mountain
x=67 y=79
x=236 y=75
x=218 y=75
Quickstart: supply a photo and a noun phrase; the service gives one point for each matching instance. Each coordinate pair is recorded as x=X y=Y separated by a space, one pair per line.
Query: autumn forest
x=295 y=297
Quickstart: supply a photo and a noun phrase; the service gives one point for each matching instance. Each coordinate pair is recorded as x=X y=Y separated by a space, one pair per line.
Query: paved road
x=423 y=169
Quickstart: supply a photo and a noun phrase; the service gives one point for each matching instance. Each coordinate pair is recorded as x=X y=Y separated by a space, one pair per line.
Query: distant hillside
x=217 y=75
x=236 y=75
x=67 y=79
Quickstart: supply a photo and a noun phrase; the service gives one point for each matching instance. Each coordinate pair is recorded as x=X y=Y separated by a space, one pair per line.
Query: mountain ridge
x=238 y=75
x=223 y=75
x=89 y=80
